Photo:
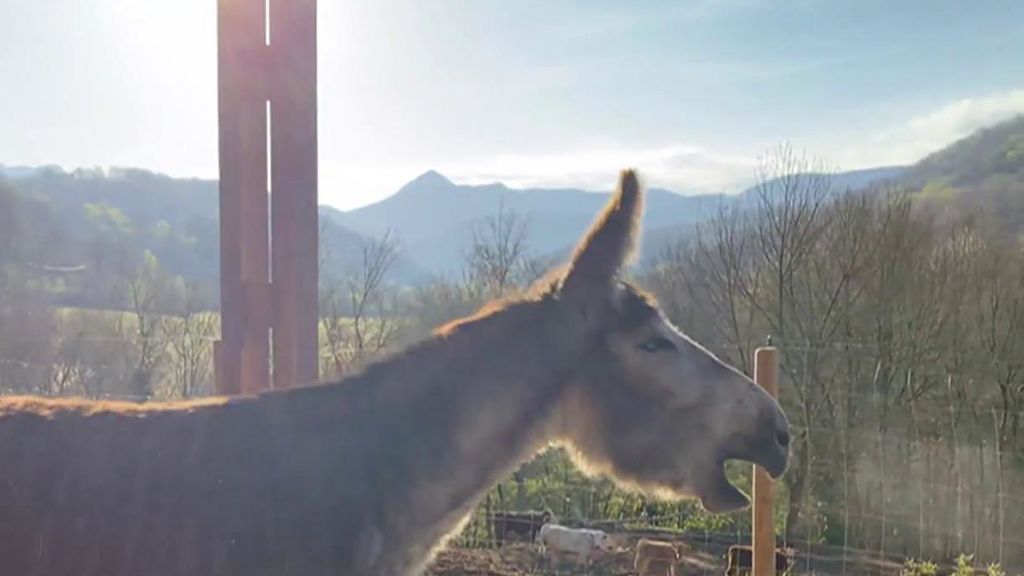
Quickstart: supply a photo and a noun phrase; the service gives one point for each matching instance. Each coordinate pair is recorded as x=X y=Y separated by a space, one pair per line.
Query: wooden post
x=267 y=119
x=766 y=374
x=241 y=74
x=293 y=143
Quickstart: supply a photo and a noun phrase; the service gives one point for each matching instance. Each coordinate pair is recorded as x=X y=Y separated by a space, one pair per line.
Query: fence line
x=653 y=521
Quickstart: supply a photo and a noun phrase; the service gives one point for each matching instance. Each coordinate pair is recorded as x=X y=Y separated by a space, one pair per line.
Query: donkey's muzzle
x=774 y=460
x=773 y=449
x=773 y=453
x=769 y=450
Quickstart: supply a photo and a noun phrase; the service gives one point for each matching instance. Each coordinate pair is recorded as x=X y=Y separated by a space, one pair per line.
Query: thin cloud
x=687 y=168
x=681 y=168
x=936 y=129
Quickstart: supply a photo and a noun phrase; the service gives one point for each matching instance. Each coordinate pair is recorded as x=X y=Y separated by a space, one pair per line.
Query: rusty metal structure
x=267 y=116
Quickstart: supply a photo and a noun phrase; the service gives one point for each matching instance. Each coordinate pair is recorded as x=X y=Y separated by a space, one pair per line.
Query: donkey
x=369 y=475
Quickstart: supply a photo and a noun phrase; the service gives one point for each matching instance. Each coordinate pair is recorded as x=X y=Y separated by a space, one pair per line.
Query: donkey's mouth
x=718 y=495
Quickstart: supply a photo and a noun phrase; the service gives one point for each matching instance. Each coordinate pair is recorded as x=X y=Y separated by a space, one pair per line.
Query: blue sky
x=531 y=93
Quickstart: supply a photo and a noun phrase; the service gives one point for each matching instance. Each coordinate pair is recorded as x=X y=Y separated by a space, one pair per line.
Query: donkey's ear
x=608 y=246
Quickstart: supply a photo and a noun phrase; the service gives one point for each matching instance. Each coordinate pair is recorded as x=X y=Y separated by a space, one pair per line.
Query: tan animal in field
x=368 y=475
x=655 y=558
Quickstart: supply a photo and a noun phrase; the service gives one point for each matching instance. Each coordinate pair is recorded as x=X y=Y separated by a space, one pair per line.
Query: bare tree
x=439 y=302
x=189 y=334
x=358 y=312
x=498 y=262
x=146 y=287
x=534 y=268
x=497 y=258
x=93 y=354
x=26 y=331
x=791 y=191
x=721 y=273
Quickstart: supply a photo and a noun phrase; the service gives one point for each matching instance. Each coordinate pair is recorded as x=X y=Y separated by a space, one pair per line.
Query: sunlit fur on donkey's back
x=366 y=476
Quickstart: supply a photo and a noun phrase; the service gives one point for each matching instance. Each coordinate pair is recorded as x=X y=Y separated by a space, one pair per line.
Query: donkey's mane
x=637 y=307
x=49 y=406
x=542 y=289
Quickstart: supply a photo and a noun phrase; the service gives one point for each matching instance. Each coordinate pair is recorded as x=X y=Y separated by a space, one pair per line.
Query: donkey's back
x=197 y=488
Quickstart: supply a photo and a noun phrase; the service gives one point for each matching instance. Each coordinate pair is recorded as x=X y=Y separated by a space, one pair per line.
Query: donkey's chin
x=718 y=495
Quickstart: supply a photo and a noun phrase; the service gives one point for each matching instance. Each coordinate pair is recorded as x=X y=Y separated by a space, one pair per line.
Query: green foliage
x=938 y=191
x=108 y=219
x=550 y=481
x=150 y=264
x=912 y=567
x=964 y=565
x=994 y=569
x=1014 y=152
x=162 y=230
x=981 y=174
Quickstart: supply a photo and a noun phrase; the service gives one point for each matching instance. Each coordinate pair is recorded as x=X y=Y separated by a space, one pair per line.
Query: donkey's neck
x=447 y=419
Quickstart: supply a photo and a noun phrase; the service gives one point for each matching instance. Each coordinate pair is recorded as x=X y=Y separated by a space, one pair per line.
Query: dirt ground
x=517 y=560
x=523 y=559
x=700 y=557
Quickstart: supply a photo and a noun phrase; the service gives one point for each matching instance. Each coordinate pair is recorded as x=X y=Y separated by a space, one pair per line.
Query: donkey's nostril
x=782 y=437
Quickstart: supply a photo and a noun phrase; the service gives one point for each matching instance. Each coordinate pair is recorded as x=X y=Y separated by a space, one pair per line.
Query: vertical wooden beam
x=258 y=241
x=766 y=374
x=242 y=152
x=294 y=219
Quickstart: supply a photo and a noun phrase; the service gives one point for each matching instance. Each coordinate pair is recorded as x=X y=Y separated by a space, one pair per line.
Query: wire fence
x=705 y=551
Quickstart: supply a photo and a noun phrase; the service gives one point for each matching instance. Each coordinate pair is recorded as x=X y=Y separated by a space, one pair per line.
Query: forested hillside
x=983 y=173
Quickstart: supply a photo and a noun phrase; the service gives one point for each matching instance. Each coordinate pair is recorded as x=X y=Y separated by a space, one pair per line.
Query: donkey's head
x=648 y=405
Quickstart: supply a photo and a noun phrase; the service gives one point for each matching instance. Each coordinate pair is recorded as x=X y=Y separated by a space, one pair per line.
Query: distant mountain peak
x=430 y=178
x=426 y=185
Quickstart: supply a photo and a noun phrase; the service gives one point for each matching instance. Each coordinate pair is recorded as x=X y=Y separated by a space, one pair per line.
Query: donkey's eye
x=657 y=344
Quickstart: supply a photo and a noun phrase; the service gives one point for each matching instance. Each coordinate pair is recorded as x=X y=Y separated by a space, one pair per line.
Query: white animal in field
x=602 y=541
x=556 y=541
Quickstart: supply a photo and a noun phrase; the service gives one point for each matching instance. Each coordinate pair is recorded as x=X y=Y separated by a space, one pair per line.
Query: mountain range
x=433 y=218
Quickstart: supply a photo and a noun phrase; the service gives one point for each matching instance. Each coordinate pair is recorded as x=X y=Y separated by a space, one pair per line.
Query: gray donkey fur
x=369 y=475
